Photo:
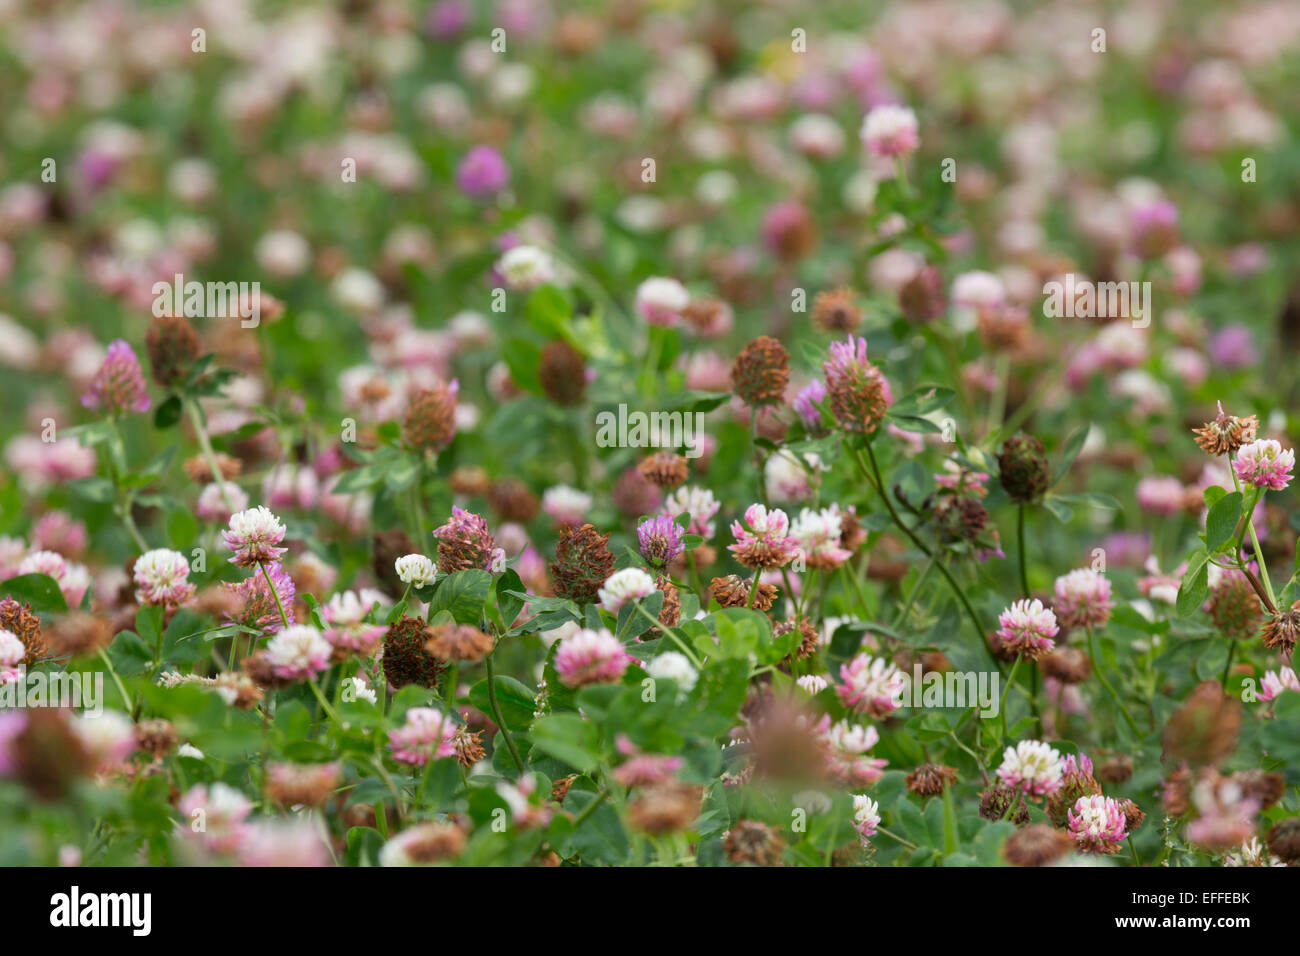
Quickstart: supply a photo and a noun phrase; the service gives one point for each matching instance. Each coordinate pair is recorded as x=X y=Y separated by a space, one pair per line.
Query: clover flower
x=866 y=816
x=427 y=734
x=464 y=542
x=847 y=761
x=257 y=606
x=871 y=685
x=763 y=541
x=630 y=584
x=348 y=630
x=118 y=387
x=1097 y=824
x=12 y=652
x=162 y=578
x=299 y=652
x=1274 y=683
x=482 y=173
x=660 y=540
x=818 y=534
x=1082 y=599
x=699 y=503
x=1264 y=463
x=253 y=535
x=890 y=131
x=565 y=505
x=859 y=394
x=524 y=268
x=660 y=301
x=415 y=570
x=212 y=506
x=591 y=657
x=805 y=404
x=1027 y=628
x=674 y=666
x=1032 y=766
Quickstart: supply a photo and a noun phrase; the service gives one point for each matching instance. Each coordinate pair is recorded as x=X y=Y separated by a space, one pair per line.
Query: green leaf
x=1070 y=451
x=463 y=594
x=39 y=590
x=507 y=603
x=515 y=699
x=1222 y=521
x=1195 y=586
x=569 y=738
x=168 y=413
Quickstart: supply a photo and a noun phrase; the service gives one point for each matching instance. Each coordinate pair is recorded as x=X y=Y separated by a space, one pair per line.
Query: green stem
x=201 y=432
x=672 y=634
x=496 y=712
x=1092 y=656
x=1020 y=537
x=590 y=808
x=284 y=618
x=324 y=704
x=117 y=681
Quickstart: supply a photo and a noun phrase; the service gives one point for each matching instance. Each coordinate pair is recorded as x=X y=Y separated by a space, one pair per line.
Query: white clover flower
x=359 y=689
x=813 y=684
x=660 y=301
x=674 y=666
x=566 y=505
x=415 y=570
x=1032 y=766
x=630 y=584
x=526 y=267
x=299 y=652
x=866 y=816
x=191 y=751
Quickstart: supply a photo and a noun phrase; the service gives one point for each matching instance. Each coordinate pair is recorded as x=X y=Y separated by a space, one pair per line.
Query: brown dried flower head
x=1204 y=729
x=664 y=469
x=751 y=843
x=430 y=421
x=1036 y=845
x=930 y=779
x=458 y=642
x=562 y=372
x=1226 y=433
x=836 y=310
x=405 y=659
x=761 y=372
x=172 y=346
x=733 y=591
x=19 y=620
x=582 y=563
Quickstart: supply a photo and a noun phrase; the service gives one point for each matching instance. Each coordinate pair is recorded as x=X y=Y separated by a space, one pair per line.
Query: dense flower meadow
x=649 y=432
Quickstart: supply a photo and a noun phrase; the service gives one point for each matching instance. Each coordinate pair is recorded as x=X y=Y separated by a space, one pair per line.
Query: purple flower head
x=118 y=386
x=1233 y=347
x=482 y=173
x=447 y=19
x=660 y=539
x=805 y=403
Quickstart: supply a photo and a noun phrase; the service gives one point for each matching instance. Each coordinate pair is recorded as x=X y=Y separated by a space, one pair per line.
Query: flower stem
x=200 y=431
x=1024 y=561
x=496 y=712
x=1092 y=656
x=284 y=618
x=672 y=633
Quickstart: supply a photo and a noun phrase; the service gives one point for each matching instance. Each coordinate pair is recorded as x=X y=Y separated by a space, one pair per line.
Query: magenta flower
x=257 y=606
x=805 y=403
x=427 y=734
x=253 y=536
x=660 y=539
x=118 y=387
x=590 y=657
x=1264 y=463
x=482 y=173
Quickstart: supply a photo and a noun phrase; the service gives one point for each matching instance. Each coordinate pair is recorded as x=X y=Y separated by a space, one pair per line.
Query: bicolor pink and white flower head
x=415 y=569
x=348 y=630
x=565 y=505
x=212 y=505
x=890 y=130
x=108 y=737
x=1274 y=683
x=699 y=503
x=660 y=300
x=50 y=563
x=214 y=815
x=1032 y=766
x=12 y=652
x=162 y=578
x=118 y=387
x=871 y=685
x=847 y=761
x=427 y=734
x=866 y=816
x=818 y=534
x=590 y=657
x=525 y=268
x=763 y=541
x=629 y=584
x=1082 y=598
x=253 y=535
x=1264 y=463
x=1027 y=628
x=1097 y=824
x=1161 y=494
x=299 y=652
